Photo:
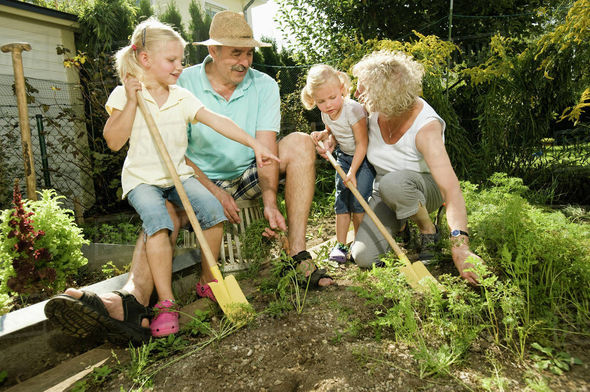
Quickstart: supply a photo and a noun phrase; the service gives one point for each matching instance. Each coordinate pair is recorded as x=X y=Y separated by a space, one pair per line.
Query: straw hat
x=229 y=28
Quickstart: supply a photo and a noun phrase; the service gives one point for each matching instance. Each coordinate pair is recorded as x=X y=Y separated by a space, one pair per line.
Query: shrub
x=40 y=247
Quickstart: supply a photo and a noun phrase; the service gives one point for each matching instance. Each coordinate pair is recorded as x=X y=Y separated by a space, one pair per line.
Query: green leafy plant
x=546 y=358
x=40 y=246
x=110 y=269
x=117 y=233
x=290 y=282
x=199 y=324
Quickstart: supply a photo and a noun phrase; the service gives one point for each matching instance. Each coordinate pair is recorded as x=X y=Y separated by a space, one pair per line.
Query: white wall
x=44 y=70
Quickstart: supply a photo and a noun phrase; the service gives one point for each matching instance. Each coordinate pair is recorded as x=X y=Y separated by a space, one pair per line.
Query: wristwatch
x=457 y=233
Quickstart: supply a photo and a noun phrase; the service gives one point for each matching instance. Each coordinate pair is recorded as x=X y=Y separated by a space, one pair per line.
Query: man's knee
x=297 y=147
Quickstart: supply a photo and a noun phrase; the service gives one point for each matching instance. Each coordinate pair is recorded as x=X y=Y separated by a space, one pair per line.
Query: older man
x=226 y=84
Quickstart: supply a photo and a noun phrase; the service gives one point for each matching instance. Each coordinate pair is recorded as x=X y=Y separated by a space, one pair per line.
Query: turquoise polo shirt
x=254 y=105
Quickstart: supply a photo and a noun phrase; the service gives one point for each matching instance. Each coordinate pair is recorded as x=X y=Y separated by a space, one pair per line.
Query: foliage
x=534 y=283
x=324 y=29
x=145 y=10
x=105 y=26
x=171 y=16
x=556 y=362
x=118 y=233
x=542 y=253
x=435 y=55
x=39 y=246
x=255 y=246
x=199 y=32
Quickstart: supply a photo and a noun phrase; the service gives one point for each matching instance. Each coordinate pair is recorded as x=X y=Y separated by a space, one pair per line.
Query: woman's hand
x=263 y=154
x=460 y=255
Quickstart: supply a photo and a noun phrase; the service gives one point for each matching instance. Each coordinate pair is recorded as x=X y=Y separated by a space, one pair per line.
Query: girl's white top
x=402 y=155
x=143 y=164
x=341 y=128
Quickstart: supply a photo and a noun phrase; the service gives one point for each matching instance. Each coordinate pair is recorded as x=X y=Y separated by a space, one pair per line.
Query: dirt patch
x=330 y=346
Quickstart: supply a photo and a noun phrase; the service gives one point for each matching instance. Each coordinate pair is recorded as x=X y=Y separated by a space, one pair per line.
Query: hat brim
x=237 y=42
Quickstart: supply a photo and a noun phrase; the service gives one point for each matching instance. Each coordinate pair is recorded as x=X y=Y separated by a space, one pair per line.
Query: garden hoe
x=228 y=293
x=414 y=272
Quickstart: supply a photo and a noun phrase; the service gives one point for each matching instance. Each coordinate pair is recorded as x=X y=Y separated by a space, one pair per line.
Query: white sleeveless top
x=341 y=128
x=402 y=155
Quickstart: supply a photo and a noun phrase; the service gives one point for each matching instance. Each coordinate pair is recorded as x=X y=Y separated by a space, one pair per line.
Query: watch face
x=455 y=233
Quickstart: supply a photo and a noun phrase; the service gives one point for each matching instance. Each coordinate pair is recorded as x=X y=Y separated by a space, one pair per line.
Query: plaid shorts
x=244 y=187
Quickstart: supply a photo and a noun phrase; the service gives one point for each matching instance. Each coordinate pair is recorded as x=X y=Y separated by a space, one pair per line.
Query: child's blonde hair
x=147 y=36
x=317 y=76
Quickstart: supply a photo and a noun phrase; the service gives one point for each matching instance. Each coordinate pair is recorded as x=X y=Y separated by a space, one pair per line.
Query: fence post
x=42 y=145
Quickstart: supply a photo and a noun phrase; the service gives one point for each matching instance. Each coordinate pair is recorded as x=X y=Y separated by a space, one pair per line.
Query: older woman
x=414 y=173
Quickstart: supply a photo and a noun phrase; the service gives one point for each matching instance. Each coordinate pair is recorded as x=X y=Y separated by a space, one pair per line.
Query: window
x=211 y=9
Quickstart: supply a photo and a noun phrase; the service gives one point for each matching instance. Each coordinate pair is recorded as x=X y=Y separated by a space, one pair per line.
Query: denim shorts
x=345 y=201
x=150 y=203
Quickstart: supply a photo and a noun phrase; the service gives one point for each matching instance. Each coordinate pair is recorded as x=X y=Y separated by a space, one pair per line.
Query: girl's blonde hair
x=148 y=36
x=392 y=82
x=319 y=75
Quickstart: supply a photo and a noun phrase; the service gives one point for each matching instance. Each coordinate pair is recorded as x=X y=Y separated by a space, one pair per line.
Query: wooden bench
x=230 y=253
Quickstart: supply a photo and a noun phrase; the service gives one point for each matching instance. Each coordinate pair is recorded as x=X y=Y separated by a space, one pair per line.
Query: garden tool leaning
x=414 y=272
x=23 y=113
x=228 y=293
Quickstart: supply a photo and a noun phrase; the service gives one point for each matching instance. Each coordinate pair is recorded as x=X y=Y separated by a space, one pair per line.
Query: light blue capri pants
x=396 y=200
x=150 y=203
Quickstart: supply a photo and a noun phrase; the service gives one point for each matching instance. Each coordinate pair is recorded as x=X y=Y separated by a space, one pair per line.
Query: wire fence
x=59 y=145
x=64 y=136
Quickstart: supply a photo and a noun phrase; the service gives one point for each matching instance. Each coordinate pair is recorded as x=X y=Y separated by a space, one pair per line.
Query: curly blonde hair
x=147 y=36
x=392 y=82
x=319 y=75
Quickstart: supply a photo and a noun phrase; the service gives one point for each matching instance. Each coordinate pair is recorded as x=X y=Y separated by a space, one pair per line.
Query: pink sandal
x=204 y=291
x=166 y=321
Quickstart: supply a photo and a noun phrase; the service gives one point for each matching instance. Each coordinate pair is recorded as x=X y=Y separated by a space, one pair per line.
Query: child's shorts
x=150 y=203
x=345 y=201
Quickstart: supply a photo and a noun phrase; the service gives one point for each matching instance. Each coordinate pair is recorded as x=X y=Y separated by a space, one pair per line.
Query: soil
x=331 y=347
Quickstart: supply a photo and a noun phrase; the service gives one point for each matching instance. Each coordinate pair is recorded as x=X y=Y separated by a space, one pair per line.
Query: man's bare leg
x=297 y=155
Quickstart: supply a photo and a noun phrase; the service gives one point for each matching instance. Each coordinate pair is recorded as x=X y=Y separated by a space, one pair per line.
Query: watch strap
x=457 y=233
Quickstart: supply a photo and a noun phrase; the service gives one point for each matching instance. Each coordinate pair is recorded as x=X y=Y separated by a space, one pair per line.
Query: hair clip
x=143 y=37
x=133 y=47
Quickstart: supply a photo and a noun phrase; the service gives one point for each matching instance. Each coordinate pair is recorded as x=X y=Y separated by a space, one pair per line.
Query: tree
x=173 y=18
x=145 y=10
x=199 y=31
x=325 y=28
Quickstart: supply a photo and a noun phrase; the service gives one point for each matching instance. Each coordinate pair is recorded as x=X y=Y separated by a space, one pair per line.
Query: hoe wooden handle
x=401 y=255
x=23 y=113
x=15 y=47
x=208 y=255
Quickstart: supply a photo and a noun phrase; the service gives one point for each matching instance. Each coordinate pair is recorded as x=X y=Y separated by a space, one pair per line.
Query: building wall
x=209 y=6
x=57 y=90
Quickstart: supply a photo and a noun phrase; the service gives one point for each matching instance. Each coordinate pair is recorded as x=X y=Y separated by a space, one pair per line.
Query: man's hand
x=460 y=256
x=230 y=208
x=275 y=219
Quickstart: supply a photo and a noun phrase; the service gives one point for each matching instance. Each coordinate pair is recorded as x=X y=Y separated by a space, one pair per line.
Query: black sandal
x=130 y=329
x=88 y=316
x=78 y=317
x=316 y=275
